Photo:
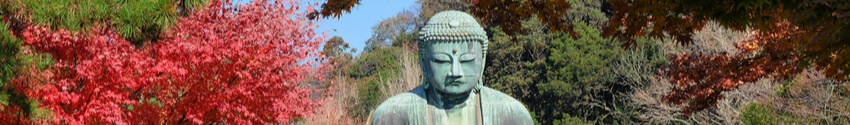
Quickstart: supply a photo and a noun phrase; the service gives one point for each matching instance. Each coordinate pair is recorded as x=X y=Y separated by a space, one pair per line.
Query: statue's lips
x=455 y=83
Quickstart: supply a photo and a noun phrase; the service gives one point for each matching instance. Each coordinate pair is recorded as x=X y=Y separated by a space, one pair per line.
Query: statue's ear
x=423 y=67
x=483 y=63
x=423 y=60
x=483 y=60
x=483 y=55
x=481 y=73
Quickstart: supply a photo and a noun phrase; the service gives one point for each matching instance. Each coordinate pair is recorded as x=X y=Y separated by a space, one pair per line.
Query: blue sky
x=356 y=27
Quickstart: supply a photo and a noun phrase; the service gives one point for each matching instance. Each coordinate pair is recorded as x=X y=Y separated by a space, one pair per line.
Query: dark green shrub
x=759 y=114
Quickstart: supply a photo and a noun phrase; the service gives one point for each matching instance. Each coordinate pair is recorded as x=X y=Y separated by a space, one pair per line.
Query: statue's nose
x=456 y=69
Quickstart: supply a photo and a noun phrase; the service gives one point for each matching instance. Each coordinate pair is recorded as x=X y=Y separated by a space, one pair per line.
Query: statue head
x=452 y=47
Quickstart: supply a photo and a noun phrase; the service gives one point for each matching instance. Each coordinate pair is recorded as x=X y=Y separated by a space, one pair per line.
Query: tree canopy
x=789 y=36
x=568 y=61
x=506 y=14
x=138 y=21
x=214 y=66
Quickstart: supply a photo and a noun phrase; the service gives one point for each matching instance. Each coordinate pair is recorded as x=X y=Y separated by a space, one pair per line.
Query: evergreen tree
x=579 y=79
x=514 y=67
x=136 y=20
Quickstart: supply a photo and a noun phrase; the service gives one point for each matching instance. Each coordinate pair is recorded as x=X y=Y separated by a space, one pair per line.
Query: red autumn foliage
x=221 y=64
x=790 y=35
x=11 y=116
x=701 y=78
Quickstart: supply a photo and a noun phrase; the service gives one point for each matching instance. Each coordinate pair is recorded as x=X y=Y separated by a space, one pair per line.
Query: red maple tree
x=223 y=64
x=701 y=78
x=788 y=36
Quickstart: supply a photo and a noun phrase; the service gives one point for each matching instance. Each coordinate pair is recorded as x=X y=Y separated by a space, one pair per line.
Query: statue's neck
x=447 y=101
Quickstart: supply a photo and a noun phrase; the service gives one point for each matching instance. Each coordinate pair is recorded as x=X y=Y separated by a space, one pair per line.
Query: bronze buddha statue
x=452 y=48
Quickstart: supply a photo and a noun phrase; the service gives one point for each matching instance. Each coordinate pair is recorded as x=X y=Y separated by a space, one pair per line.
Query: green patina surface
x=452 y=48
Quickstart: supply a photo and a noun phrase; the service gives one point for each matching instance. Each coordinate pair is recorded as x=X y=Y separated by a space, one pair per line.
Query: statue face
x=453 y=67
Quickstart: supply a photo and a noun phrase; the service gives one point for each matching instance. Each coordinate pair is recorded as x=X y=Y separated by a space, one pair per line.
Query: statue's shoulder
x=401 y=108
x=493 y=96
x=409 y=98
x=503 y=109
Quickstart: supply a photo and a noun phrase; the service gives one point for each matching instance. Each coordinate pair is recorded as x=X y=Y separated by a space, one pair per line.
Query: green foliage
x=578 y=72
x=10 y=62
x=137 y=20
x=396 y=30
x=514 y=67
x=566 y=76
x=760 y=114
x=369 y=96
x=784 y=87
x=335 y=46
x=585 y=78
x=144 y=20
x=406 y=39
x=335 y=51
x=533 y=116
x=13 y=63
x=9 y=48
x=579 y=64
x=381 y=61
x=372 y=69
x=570 y=120
x=587 y=11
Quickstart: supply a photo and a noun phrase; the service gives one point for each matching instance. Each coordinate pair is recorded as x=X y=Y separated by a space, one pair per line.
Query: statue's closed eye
x=442 y=58
x=468 y=57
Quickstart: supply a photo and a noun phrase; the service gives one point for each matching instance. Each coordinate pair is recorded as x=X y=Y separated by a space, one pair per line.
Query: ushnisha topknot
x=454 y=26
